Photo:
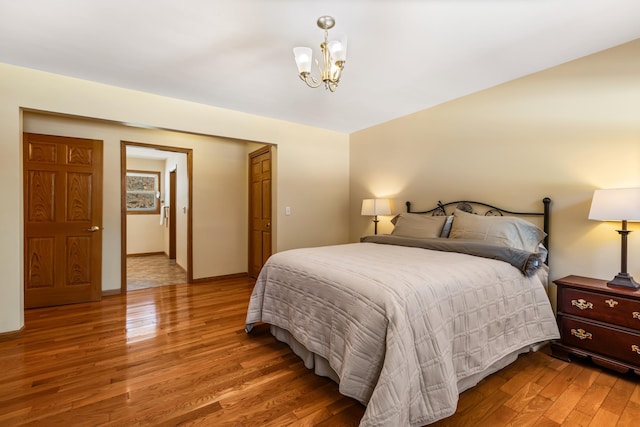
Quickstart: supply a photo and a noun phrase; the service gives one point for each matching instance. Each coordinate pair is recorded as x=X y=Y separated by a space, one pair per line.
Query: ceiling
x=403 y=56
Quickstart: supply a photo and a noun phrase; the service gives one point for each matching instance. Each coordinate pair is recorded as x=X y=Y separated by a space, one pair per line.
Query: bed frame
x=487 y=210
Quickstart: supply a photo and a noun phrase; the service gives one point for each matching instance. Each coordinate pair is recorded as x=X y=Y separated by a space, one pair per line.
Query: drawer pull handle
x=611 y=303
x=581 y=333
x=635 y=348
x=582 y=304
x=636 y=315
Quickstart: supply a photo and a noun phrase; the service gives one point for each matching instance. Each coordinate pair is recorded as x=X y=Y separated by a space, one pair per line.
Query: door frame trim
x=123 y=206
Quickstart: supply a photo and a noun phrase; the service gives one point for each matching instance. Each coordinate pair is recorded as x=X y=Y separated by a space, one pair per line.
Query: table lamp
x=618 y=204
x=375 y=207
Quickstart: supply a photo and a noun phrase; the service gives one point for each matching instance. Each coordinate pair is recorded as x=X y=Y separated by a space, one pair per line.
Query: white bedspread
x=400 y=326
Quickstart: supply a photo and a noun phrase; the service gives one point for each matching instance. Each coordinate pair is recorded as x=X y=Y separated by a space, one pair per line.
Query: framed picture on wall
x=143 y=192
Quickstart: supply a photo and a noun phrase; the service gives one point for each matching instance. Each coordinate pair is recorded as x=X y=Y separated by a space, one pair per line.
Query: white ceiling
x=403 y=56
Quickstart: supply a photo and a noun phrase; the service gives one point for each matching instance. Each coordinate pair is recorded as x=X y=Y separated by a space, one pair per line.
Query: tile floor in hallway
x=150 y=271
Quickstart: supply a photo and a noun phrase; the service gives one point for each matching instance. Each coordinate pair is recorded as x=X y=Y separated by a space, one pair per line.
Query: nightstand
x=599 y=322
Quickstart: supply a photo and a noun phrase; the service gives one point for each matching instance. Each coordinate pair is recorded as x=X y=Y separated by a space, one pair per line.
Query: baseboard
x=110 y=292
x=219 y=278
x=147 y=254
x=12 y=335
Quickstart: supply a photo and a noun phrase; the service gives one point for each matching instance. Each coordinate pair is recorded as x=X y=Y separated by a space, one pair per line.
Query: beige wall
x=560 y=133
x=144 y=232
x=178 y=162
x=300 y=149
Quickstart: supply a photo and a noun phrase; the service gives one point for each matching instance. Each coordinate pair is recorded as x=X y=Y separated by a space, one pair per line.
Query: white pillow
x=418 y=226
x=504 y=230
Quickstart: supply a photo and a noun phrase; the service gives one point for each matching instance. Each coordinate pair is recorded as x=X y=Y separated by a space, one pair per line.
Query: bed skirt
x=321 y=366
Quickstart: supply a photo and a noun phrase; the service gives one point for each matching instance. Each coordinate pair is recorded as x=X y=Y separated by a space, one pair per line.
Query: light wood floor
x=150 y=271
x=178 y=355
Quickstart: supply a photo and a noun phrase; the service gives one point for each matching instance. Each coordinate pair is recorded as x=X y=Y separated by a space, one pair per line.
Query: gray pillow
x=504 y=230
x=418 y=226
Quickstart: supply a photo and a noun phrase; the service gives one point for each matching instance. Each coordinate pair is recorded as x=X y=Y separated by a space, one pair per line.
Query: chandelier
x=334 y=55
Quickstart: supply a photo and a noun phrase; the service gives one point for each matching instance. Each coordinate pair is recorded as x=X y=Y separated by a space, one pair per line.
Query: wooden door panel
x=41 y=186
x=265 y=165
x=42 y=152
x=266 y=200
x=256 y=201
x=78 y=260
x=266 y=253
x=40 y=262
x=256 y=255
x=62 y=204
x=79 y=155
x=78 y=197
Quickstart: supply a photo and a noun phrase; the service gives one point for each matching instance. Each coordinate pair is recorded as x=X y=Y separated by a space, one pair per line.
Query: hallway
x=151 y=271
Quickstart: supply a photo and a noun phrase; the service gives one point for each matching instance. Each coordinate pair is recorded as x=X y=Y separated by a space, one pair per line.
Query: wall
x=144 y=233
x=560 y=133
x=178 y=162
x=300 y=149
x=220 y=176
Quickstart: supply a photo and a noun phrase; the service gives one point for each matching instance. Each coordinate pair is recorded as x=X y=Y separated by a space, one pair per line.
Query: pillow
x=417 y=226
x=503 y=230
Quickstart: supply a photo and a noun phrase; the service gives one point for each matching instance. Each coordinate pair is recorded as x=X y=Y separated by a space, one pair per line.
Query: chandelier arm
x=337 y=72
x=309 y=80
x=331 y=86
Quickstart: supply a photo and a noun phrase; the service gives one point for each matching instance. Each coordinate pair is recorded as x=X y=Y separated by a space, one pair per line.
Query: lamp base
x=624 y=280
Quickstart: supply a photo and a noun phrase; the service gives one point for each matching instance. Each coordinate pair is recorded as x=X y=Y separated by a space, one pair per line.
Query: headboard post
x=547 y=217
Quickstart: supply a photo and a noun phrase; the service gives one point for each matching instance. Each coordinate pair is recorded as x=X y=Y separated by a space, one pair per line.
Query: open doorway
x=156 y=215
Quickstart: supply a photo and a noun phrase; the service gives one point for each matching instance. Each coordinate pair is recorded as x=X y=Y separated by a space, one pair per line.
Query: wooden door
x=62 y=220
x=259 y=209
x=172 y=213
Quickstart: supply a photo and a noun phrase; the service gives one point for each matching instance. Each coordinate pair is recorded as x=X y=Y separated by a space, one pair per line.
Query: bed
x=405 y=322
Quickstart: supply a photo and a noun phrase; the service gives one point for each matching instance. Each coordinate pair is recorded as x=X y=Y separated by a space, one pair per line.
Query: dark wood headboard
x=473 y=207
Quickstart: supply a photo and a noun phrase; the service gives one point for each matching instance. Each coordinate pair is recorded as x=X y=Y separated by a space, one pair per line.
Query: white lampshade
x=303 y=57
x=616 y=204
x=374 y=207
x=338 y=49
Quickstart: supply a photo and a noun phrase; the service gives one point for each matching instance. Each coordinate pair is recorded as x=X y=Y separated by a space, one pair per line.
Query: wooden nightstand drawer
x=598 y=321
x=623 y=345
x=606 y=308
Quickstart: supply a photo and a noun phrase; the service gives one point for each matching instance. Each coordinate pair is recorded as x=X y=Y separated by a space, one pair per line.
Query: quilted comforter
x=401 y=326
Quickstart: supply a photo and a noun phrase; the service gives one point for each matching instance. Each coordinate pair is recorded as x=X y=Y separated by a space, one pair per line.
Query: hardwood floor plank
x=618 y=397
x=500 y=417
x=546 y=422
x=561 y=382
x=565 y=403
x=577 y=419
x=532 y=413
x=523 y=397
x=178 y=355
x=630 y=415
x=604 y=418
x=592 y=400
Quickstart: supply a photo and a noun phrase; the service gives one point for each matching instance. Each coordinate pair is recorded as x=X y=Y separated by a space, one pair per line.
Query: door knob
x=93 y=228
